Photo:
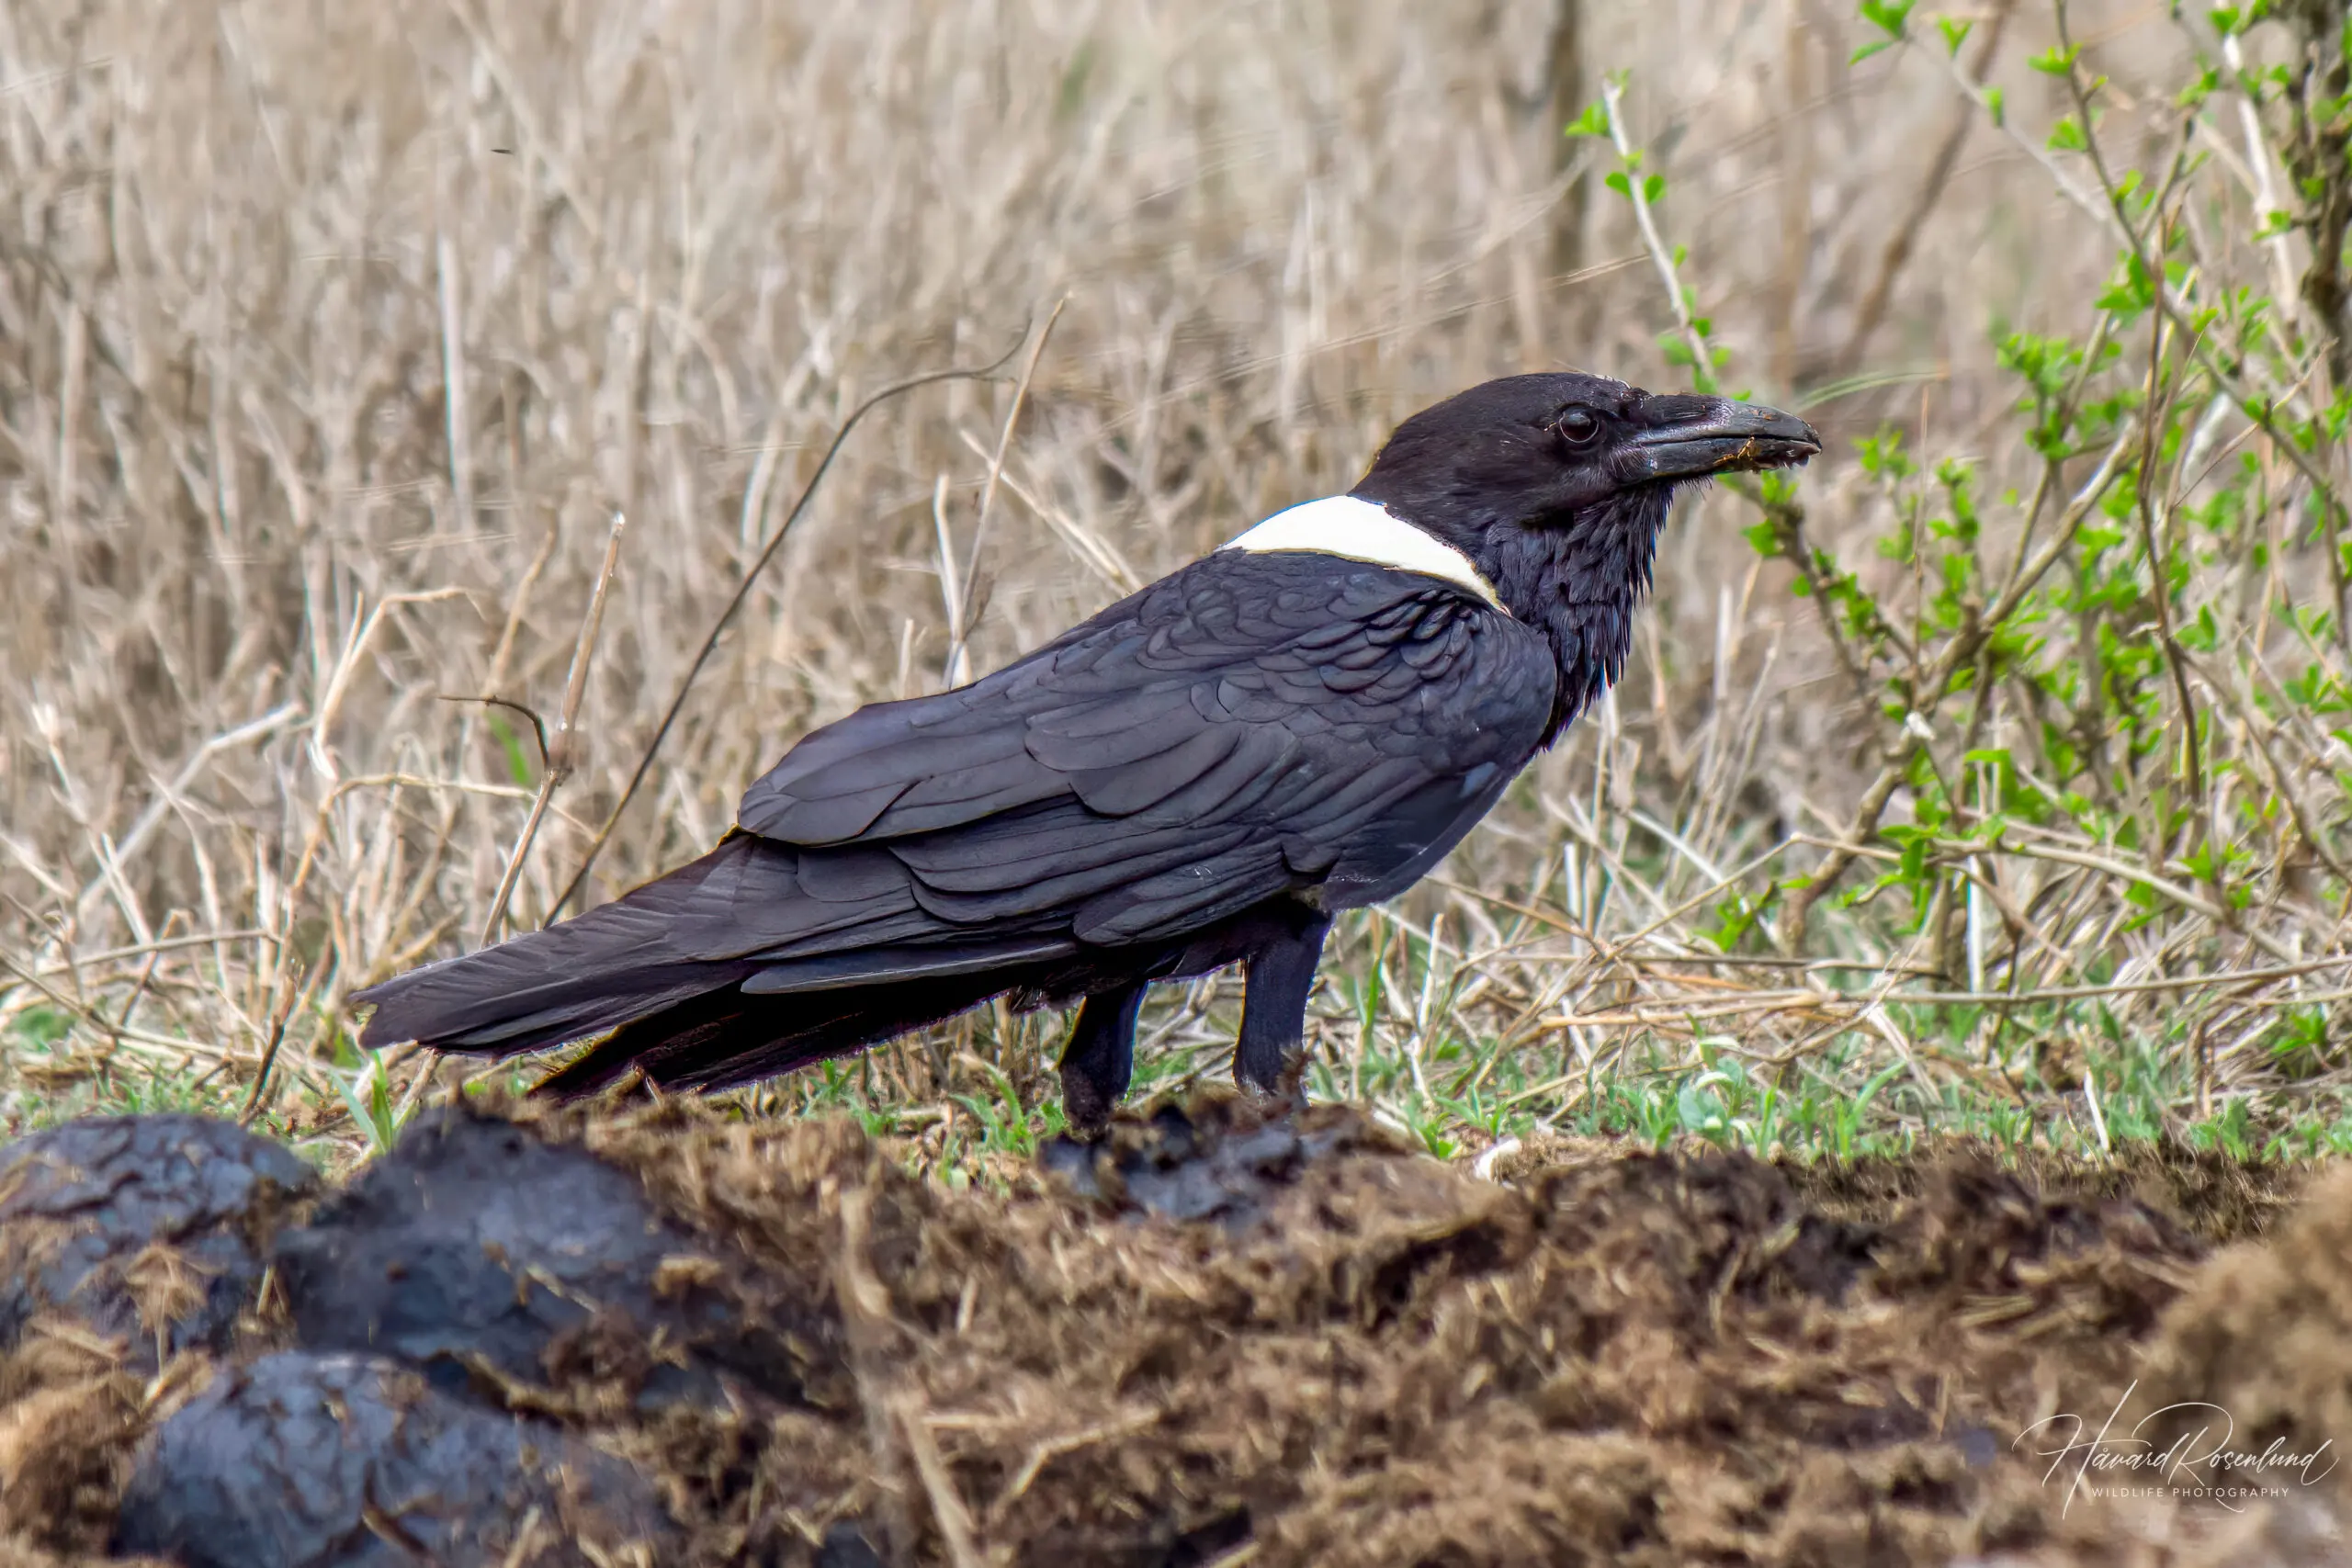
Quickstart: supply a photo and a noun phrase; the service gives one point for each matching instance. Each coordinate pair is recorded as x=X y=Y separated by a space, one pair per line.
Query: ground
x=672 y=1334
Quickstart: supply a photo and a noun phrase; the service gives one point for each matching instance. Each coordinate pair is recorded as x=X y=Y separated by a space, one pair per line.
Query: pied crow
x=1301 y=722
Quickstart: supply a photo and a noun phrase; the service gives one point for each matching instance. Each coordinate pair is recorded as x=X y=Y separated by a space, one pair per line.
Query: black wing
x=1253 y=724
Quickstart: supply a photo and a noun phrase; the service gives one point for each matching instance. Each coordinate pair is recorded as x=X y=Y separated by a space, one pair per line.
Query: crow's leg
x=1268 y=1055
x=1100 y=1057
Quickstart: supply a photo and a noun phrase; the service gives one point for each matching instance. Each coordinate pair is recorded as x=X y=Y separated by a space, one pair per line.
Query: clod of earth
x=1221 y=1331
x=476 y=1250
x=305 y=1461
x=151 y=1230
x=1196 y=1165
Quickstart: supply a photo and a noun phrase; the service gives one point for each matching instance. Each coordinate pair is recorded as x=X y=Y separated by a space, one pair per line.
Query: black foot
x=1100 y=1059
x=1270 y=1055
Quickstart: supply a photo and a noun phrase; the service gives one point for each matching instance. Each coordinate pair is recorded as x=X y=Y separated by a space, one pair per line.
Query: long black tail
x=664 y=967
x=611 y=965
x=725 y=1038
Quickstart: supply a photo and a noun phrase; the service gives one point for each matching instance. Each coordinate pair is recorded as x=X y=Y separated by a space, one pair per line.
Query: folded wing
x=1253 y=724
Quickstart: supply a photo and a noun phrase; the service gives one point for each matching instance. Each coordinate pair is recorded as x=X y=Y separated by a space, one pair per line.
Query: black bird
x=1302 y=722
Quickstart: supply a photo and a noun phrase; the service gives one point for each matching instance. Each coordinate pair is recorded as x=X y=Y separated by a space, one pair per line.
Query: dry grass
x=332 y=338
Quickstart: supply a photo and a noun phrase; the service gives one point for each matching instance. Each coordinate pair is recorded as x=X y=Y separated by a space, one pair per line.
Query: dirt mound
x=309 y=1458
x=1216 y=1337
x=481 y=1255
x=152 y=1229
x=2258 y=1354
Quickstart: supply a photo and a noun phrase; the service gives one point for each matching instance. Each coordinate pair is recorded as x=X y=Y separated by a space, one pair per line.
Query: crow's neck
x=1577 y=582
x=1575 y=577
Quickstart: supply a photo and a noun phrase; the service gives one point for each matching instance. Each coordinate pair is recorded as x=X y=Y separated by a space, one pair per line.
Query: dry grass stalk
x=312 y=323
x=558 y=760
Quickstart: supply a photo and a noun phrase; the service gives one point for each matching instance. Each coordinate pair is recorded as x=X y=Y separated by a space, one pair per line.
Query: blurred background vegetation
x=1990 y=774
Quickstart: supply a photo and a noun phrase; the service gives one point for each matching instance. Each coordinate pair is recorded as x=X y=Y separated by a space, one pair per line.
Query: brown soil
x=1345 y=1353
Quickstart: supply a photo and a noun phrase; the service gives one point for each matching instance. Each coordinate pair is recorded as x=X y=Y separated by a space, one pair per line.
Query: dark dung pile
x=588 y=1336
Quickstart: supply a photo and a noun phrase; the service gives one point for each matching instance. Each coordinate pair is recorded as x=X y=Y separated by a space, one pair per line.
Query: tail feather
x=466 y=1011
x=684 y=978
x=729 y=1038
x=586 y=975
x=705 y=1022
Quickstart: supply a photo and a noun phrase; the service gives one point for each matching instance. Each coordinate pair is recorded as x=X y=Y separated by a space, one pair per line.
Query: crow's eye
x=1578 y=426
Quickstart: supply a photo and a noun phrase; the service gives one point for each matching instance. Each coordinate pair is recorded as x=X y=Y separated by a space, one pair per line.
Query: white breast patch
x=1360 y=530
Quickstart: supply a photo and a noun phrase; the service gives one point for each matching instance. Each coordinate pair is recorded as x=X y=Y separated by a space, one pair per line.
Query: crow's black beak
x=1723 y=438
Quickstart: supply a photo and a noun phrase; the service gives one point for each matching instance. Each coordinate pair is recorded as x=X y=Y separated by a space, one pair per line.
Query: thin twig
x=563 y=755
x=956 y=671
x=140 y=950
x=453 y=376
x=151 y=816
x=294 y=991
x=1612 y=94
x=1871 y=312
x=743 y=591
x=951 y=591
x=538 y=725
x=1958 y=655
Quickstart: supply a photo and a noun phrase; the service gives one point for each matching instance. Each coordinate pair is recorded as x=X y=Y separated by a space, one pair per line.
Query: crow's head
x=1555 y=485
x=1540 y=451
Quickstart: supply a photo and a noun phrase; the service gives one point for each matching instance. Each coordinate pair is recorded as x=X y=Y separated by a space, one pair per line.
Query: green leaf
x=1700 y=1108
x=1652 y=187
x=1955 y=31
x=2131 y=293
x=1993 y=100
x=2056 y=62
x=1887 y=15
x=518 y=766
x=1075 y=77
x=43 y=1028
x=1594 y=121
x=2067 y=136
x=368 y=1094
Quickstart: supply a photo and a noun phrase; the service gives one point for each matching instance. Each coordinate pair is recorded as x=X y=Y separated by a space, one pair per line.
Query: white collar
x=1363 y=530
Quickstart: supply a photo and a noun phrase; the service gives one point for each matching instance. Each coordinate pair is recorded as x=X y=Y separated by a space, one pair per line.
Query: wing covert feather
x=1252 y=724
